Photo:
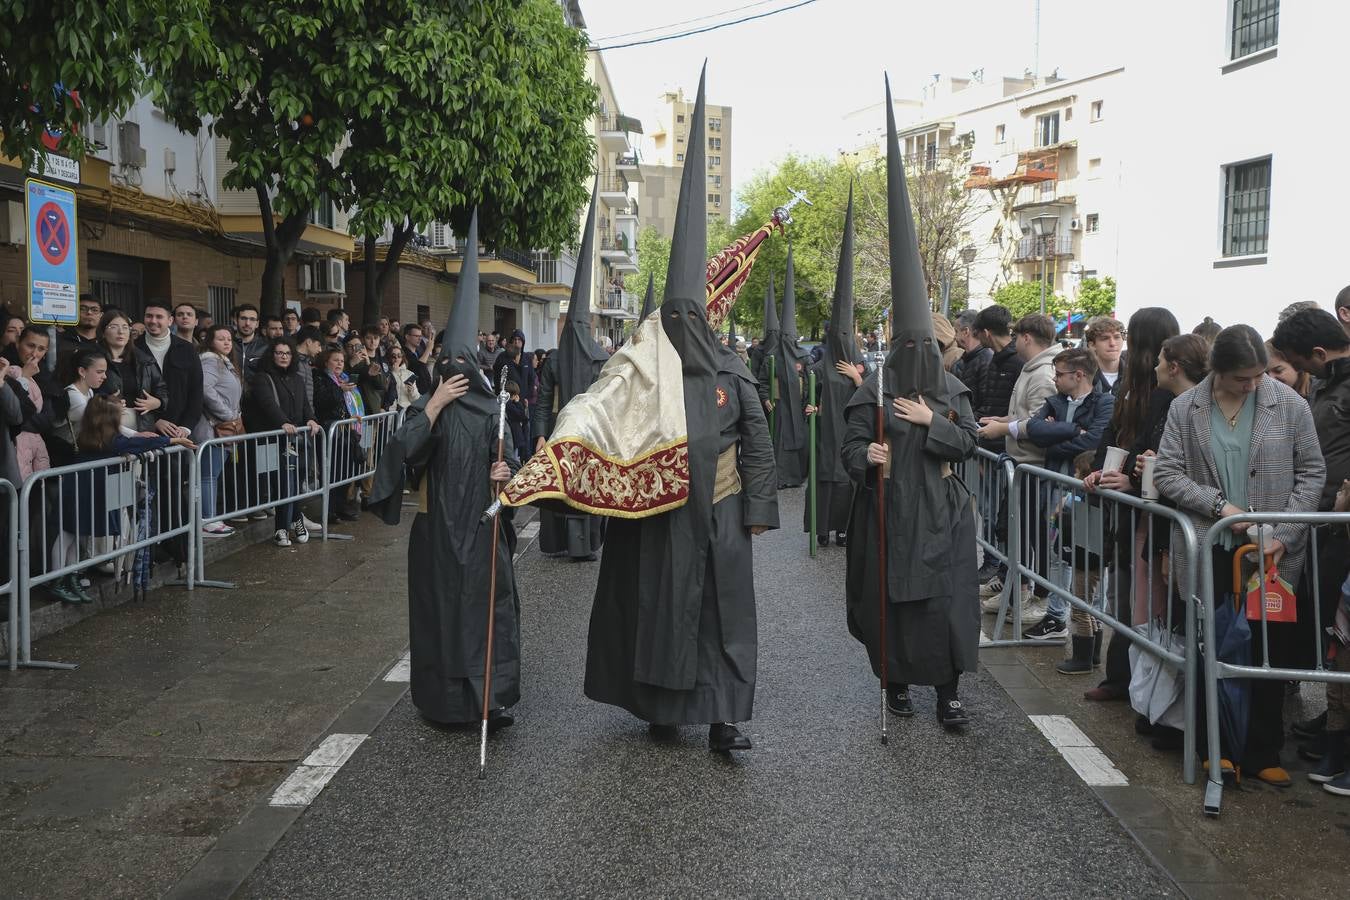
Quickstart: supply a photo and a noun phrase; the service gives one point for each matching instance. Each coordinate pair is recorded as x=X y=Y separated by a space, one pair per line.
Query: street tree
x=487 y=107
x=1096 y=297
x=653 y=249
x=67 y=63
x=1022 y=298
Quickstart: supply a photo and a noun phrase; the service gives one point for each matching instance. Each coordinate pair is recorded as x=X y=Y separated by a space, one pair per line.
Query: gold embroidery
x=728 y=480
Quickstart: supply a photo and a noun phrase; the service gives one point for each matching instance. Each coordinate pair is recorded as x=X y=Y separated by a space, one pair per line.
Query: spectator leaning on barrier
x=281 y=403
x=1242 y=441
x=1105 y=339
x=132 y=376
x=222 y=416
x=975 y=356
x=1070 y=422
x=337 y=397
x=308 y=344
x=178 y=366
x=992 y=326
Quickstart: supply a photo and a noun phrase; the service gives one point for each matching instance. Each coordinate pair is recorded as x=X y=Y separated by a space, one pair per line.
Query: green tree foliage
x=1022 y=298
x=1096 y=297
x=55 y=50
x=491 y=108
x=653 y=259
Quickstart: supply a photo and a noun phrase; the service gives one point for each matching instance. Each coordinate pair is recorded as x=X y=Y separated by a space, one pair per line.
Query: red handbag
x=1272 y=590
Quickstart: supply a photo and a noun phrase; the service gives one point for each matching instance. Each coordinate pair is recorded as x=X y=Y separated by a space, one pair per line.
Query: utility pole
x=1036 y=58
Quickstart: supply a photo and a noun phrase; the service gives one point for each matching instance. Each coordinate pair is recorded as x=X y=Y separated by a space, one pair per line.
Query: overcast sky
x=792 y=77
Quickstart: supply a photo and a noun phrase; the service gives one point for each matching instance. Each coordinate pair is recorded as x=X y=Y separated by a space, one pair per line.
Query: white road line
x=1091 y=764
x=309 y=778
x=402 y=670
x=529 y=530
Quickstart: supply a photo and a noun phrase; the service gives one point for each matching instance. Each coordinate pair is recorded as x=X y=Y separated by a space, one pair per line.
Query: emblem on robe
x=721 y=397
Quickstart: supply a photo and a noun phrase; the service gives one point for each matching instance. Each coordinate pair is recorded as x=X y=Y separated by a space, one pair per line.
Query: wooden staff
x=884 y=650
x=502 y=397
x=811 y=486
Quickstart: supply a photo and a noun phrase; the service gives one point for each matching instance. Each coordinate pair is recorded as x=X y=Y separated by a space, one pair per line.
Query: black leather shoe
x=951 y=714
x=898 y=702
x=499 y=719
x=823 y=540
x=1167 y=739
x=724 y=738
x=841 y=539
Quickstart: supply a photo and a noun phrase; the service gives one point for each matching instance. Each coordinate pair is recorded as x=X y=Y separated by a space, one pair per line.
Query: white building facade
x=1236 y=135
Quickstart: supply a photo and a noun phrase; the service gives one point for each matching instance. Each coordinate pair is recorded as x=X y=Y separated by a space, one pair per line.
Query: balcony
x=618 y=247
x=503 y=267
x=1057 y=247
x=1062 y=192
x=613 y=191
x=629 y=167
x=555 y=275
x=616 y=303
x=612 y=135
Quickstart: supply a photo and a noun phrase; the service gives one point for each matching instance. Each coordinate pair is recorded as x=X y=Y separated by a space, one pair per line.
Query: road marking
x=309 y=778
x=529 y=530
x=1091 y=764
x=402 y=670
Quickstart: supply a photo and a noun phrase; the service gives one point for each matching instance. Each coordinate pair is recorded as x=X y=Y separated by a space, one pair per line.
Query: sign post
x=53 y=256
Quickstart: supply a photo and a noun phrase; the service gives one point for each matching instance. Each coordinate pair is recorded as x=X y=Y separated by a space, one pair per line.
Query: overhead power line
x=670 y=25
x=704 y=30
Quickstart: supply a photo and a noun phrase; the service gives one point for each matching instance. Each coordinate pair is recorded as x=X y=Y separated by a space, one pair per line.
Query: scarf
x=158 y=347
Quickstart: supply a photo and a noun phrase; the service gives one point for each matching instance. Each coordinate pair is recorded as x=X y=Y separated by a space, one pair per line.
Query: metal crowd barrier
x=1089 y=559
x=9 y=498
x=996 y=500
x=1215 y=669
x=257 y=472
x=123 y=505
x=355 y=447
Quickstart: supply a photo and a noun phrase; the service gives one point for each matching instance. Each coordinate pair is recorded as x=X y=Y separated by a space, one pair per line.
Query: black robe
x=563 y=530
x=933 y=620
x=672 y=635
x=790 y=436
x=834 y=488
x=449 y=561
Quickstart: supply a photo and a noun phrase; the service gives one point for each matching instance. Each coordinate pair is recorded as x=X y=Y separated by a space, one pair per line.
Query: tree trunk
x=378 y=278
x=370 y=278
x=281 y=239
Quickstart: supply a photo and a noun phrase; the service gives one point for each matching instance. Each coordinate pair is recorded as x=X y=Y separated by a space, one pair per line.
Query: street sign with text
x=53 y=256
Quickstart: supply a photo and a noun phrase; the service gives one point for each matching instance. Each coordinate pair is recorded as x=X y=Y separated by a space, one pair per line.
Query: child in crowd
x=1078 y=520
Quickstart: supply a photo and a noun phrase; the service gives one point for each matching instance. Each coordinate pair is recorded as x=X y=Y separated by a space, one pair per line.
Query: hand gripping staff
x=879 y=359
x=502 y=397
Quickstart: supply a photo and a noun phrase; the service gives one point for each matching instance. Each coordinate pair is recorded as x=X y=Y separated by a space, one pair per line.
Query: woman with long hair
x=337 y=397
x=1241 y=441
x=1135 y=426
x=222 y=393
x=132 y=376
x=1284 y=372
x=282 y=404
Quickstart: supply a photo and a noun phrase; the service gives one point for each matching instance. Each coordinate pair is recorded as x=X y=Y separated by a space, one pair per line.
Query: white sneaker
x=991 y=603
x=281 y=538
x=1033 y=609
x=217 y=529
x=992 y=588
x=310 y=524
x=301 y=532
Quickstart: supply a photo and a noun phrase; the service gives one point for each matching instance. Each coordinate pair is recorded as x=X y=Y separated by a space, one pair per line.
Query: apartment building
x=1233 y=208
x=666 y=162
x=156 y=221
x=1038 y=155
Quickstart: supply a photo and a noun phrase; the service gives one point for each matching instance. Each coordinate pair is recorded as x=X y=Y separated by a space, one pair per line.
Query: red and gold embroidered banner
x=729 y=269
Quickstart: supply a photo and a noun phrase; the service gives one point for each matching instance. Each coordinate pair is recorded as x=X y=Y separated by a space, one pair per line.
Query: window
x=715 y=199
x=679 y=157
x=322 y=213
x=1000 y=133
x=712 y=180
x=1047 y=129
x=1068 y=114
x=1256 y=26
x=715 y=143
x=1246 y=208
x=1093 y=223
x=220 y=302
x=930 y=157
x=679 y=139
x=1095 y=167
x=714 y=124
x=679 y=119
x=1096 y=110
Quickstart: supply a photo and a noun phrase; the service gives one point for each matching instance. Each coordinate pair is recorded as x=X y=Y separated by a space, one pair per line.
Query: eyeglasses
x=117 y=326
x=282 y=354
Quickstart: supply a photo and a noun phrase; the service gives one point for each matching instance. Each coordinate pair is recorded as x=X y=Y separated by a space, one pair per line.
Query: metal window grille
x=1246 y=219
x=220 y=302
x=1256 y=26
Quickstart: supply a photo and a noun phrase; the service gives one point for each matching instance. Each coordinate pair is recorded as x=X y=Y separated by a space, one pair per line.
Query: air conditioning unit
x=307 y=277
x=129 y=149
x=440 y=236
x=332 y=275
x=1075 y=224
x=170 y=161
x=13 y=226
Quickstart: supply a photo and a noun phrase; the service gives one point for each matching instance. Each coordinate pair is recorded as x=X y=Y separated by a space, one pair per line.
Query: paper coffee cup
x=1115 y=459
x=1147 y=489
x=1264 y=536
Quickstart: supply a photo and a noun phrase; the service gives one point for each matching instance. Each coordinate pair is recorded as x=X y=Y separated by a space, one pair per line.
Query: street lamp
x=968 y=257
x=1044 y=226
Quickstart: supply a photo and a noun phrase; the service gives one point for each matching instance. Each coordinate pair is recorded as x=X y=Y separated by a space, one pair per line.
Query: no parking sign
x=53 y=257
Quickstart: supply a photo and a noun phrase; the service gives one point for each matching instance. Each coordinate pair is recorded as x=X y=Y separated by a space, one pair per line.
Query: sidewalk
x=186 y=708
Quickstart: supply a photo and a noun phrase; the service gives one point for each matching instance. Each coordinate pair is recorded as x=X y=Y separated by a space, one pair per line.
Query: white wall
x=195 y=155
x=1188 y=118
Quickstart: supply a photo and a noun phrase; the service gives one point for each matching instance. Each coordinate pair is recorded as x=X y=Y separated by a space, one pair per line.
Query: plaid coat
x=1286 y=468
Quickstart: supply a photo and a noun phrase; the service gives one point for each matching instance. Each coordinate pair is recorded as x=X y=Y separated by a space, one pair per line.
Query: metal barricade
x=9 y=500
x=1079 y=564
x=251 y=473
x=996 y=503
x=123 y=505
x=1215 y=669
x=355 y=447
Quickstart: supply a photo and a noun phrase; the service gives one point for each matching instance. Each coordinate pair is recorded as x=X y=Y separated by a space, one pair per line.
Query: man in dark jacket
x=180 y=367
x=993 y=326
x=1068 y=423
x=412 y=346
x=975 y=356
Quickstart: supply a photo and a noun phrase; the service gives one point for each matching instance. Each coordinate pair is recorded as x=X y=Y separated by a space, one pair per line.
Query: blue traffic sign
x=53 y=255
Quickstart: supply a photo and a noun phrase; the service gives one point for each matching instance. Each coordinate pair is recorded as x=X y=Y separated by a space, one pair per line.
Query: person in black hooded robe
x=933 y=612
x=838 y=375
x=571 y=369
x=672 y=634
x=449 y=441
x=790 y=362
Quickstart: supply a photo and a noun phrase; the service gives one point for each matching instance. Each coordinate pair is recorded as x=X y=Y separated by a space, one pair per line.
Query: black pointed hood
x=649 y=301
x=840 y=345
x=459 y=340
x=915 y=360
x=579 y=358
x=684 y=313
x=787 y=323
x=770 y=316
